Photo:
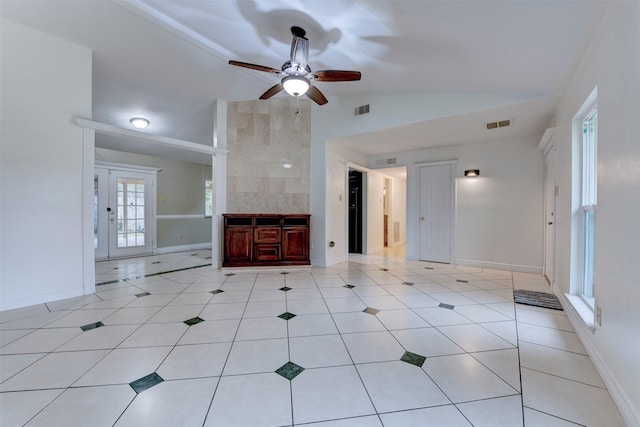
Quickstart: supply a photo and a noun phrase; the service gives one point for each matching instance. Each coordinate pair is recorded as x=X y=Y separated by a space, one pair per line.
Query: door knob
x=421 y=218
x=549 y=223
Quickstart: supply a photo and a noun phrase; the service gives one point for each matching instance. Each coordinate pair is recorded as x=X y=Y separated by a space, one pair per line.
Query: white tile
x=440 y=416
x=503 y=363
x=259 y=295
x=10 y=335
x=502 y=411
x=23 y=312
x=81 y=317
x=55 y=370
x=549 y=337
x=13 y=363
x=195 y=298
x=155 y=335
x=338 y=388
x=505 y=330
x=105 y=337
x=480 y=313
x=366 y=291
x=580 y=403
x=401 y=319
x=418 y=300
x=131 y=316
x=171 y=403
x=367 y=421
x=565 y=364
x=265 y=309
x=262 y=328
x=397 y=386
x=223 y=311
x=311 y=306
x=431 y=288
x=252 y=401
x=210 y=331
x=462 y=378
x=315 y=324
x=160 y=300
x=194 y=361
x=94 y=406
x=438 y=316
x=303 y=294
x=427 y=342
x=258 y=356
x=373 y=347
x=452 y=298
x=533 y=418
x=357 y=322
x=319 y=351
x=123 y=366
x=344 y=305
x=555 y=319
x=474 y=338
x=178 y=313
x=383 y=302
x=41 y=341
x=19 y=407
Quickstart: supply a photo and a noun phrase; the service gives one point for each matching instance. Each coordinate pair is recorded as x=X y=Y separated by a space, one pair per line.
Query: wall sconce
x=472 y=172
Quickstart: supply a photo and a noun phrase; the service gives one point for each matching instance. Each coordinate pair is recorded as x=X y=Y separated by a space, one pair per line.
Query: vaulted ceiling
x=168 y=60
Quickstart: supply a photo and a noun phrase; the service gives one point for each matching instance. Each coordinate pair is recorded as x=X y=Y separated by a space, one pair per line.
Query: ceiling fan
x=296 y=73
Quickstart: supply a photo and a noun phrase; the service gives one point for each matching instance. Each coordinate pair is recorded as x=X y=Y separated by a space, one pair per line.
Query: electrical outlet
x=599 y=315
x=180 y=236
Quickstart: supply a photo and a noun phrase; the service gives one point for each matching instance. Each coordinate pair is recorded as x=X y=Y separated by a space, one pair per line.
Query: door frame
x=413 y=208
x=548 y=145
x=365 y=199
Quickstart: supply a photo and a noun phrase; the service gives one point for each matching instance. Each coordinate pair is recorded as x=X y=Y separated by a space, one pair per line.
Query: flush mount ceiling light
x=139 y=122
x=295 y=85
x=472 y=172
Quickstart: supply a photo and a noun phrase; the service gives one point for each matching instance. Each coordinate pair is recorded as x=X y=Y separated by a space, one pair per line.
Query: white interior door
x=550 y=221
x=435 y=213
x=124 y=212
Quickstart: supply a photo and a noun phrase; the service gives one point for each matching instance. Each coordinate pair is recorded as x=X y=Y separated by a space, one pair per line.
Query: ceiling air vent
x=386 y=162
x=498 y=124
x=363 y=109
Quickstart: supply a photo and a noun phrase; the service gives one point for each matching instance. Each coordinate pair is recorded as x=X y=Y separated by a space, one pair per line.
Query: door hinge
x=556 y=190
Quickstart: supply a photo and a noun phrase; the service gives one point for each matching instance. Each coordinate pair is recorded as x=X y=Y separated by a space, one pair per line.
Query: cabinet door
x=238 y=244
x=295 y=243
x=266 y=235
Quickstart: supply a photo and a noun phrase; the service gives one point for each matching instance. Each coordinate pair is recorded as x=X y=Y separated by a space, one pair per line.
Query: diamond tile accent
x=217 y=291
x=195 y=254
x=462 y=281
x=413 y=358
x=286 y=315
x=289 y=370
x=146 y=382
x=285 y=289
x=230 y=274
x=143 y=294
x=449 y=306
x=193 y=321
x=208 y=257
x=284 y=272
x=370 y=310
x=348 y=286
x=429 y=268
x=408 y=283
x=157 y=262
x=384 y=269
x=91 y=326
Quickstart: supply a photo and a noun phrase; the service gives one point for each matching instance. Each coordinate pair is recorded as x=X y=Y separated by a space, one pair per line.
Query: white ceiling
x=168 y=60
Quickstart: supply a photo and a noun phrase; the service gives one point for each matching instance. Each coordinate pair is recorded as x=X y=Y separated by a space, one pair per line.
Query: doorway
x=435 y=216
x=355 y=211
x=124 y=210
x=550 y=189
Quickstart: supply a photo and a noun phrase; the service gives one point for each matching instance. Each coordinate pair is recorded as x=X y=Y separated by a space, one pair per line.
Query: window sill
x=582 y=309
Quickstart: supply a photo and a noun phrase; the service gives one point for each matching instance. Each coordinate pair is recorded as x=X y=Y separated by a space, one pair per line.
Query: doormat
x=538 y=299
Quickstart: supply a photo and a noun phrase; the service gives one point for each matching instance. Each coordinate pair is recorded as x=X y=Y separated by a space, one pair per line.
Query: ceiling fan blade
x=272 y=91
x=316 y=96
x=255 y=67
x=336 y=76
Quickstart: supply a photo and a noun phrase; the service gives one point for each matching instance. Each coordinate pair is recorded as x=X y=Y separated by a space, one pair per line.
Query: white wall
x=45 y=82
x=398 y=211
x=375 y=212
x=499 y=215
x=613 y=66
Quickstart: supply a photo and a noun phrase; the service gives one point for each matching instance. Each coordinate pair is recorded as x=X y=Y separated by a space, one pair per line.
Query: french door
x=123 y=212
x=435 y=213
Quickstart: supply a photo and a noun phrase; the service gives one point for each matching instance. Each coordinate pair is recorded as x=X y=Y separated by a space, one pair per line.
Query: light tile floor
x=377 y=341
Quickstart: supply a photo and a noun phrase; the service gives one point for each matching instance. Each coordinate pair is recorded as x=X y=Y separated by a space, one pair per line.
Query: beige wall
x=262 y=135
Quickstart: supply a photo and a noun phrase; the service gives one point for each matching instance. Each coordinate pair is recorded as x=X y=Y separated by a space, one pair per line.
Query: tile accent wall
x=262 y=136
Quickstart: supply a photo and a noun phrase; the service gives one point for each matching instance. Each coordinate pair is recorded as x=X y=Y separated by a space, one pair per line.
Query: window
x=208 y=198
x=589 y=177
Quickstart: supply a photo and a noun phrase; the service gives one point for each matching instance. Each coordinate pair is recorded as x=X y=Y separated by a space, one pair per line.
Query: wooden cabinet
x=265 y=240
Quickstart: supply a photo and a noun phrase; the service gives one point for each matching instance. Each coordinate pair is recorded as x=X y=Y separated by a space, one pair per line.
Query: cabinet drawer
x=266 y=235
x=266 y=252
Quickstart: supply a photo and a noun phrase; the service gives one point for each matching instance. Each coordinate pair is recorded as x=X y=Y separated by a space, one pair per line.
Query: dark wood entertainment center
x=266 y=240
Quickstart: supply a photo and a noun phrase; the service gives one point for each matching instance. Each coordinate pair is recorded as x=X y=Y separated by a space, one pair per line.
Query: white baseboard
x=330 y=261
x=11 y=303
x=182 y=248
x=585 y=332
x=499 y=266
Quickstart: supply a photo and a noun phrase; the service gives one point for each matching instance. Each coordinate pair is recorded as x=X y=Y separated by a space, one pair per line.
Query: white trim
x=499 y=266
x=10 y=304
x=88 y=176
x=194 y=216
x=103 y=128
x=125 y=167
x=547 y=141
x=182 y=248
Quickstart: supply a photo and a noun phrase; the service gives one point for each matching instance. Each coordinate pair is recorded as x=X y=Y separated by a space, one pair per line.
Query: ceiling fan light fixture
x=139 y=122
x=295 y=85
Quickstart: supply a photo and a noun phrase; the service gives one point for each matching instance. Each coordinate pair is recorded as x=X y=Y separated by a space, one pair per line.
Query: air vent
x=363 y=109
x=498 y=124
x=386 y=162
x=391 y=161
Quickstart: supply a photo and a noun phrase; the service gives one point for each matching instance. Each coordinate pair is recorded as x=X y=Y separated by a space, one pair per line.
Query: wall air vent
x=363 y=109
x=498 y=124
x=386 y=162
